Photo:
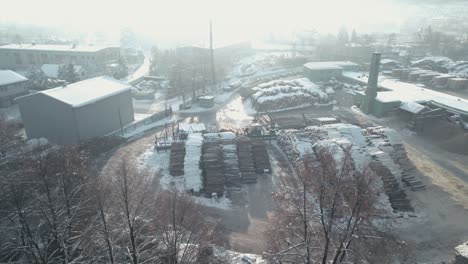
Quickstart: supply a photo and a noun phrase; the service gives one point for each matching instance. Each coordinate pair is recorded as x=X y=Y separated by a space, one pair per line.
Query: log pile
x=176 y=161
x=212 y=167
x=396 y=194
x=231 y=166
x=260 y=156
x=408 y=170
x=246 y=164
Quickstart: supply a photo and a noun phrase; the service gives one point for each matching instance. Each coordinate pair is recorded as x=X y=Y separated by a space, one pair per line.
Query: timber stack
x=408 y=170
x=246 y=164
x=176 y=162
x=260 y=156
x=212 y=167
x=396 y=195
x=231 y=166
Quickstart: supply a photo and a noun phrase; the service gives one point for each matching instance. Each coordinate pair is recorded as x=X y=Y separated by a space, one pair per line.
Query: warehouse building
x=325 y=70
x=12 y=85
x=87 y=109
x=23 y=56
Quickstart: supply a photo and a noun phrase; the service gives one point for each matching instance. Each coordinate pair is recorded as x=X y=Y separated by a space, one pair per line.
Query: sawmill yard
x=231 y=164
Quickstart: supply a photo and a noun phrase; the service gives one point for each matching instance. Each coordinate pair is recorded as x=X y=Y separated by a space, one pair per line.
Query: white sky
x=180 y=20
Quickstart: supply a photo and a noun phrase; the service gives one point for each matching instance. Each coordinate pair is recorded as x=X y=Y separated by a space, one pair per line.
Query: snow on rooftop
x=398 y=91
x=322 y=66
x=412 y=107
x=329 y=65
x=88 y=91
x=76 y=48
x=9 y=77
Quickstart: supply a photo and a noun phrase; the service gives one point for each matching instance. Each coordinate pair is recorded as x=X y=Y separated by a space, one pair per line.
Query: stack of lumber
x=212 y=166
x=246 y=164
x=408 y=170
x=231 y=166
x=260 y=156
x=176 y=161
x=395 y=193
x=264 y=120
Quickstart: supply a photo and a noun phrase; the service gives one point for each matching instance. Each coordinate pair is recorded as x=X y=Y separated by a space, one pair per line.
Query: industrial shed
x=325 y=70
x=82 y=110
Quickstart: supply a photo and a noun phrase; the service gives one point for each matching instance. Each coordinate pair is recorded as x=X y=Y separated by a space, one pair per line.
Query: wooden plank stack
x=246 y=164
x=212 y=167
x=231 y=166
x=395 y=193
x=260 y=156
x=408 y=170
x=176 y=161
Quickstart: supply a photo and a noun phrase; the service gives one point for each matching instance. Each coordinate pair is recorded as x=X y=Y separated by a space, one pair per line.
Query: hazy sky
x=188 y=20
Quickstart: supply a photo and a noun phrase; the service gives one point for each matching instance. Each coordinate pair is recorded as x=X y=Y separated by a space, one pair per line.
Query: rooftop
x=329 y=65
x=398 y=91
x=9 y=77
x=88 y=91
x=77 y=48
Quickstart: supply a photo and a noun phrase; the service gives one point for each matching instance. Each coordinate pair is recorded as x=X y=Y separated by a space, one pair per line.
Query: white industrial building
x=82 y=110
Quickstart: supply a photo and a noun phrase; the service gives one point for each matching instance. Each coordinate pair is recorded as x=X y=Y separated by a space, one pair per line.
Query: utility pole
x=213 y=74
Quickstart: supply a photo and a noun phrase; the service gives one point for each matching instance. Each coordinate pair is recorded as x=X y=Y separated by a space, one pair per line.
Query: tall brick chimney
x=371 y=91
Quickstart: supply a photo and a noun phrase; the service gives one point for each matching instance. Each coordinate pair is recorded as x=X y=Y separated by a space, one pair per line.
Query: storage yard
x=233 y=160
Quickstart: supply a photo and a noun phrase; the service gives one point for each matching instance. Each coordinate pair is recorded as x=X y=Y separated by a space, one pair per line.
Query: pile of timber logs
x=212 y=167
x=246 y=164
x=231 y=166
x=408 y=170
x=176 y=162
x=395 y=193
x=260 y=156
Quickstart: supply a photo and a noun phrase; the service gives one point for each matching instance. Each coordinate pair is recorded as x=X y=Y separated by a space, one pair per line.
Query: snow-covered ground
x=234 y=257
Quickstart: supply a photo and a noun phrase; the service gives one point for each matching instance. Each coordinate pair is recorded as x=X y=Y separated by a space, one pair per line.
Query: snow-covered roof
x=329 y=65
x=412 y=107
x=9 y=77
x=397 y=91
x=88 y=91
x=76 y=48
x=322 y=66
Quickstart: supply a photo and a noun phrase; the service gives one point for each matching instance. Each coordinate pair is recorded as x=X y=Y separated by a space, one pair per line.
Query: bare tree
x=325 y=211
x=49 y=211
x=133 y=193
x=186 y=232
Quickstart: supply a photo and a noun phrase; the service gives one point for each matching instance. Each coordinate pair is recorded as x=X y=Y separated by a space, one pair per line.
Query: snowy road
x=140 y=72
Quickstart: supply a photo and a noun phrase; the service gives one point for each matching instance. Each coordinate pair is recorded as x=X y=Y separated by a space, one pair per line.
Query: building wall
x=322 y=75
x=23 y=59
x=10 y=91
x=48 y=118
x=382 y=108
x=102 y=117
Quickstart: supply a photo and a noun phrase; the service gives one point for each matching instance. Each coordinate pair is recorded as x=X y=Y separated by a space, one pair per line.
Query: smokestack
x=373 y=74
x=213 y=74
x=372 y=82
